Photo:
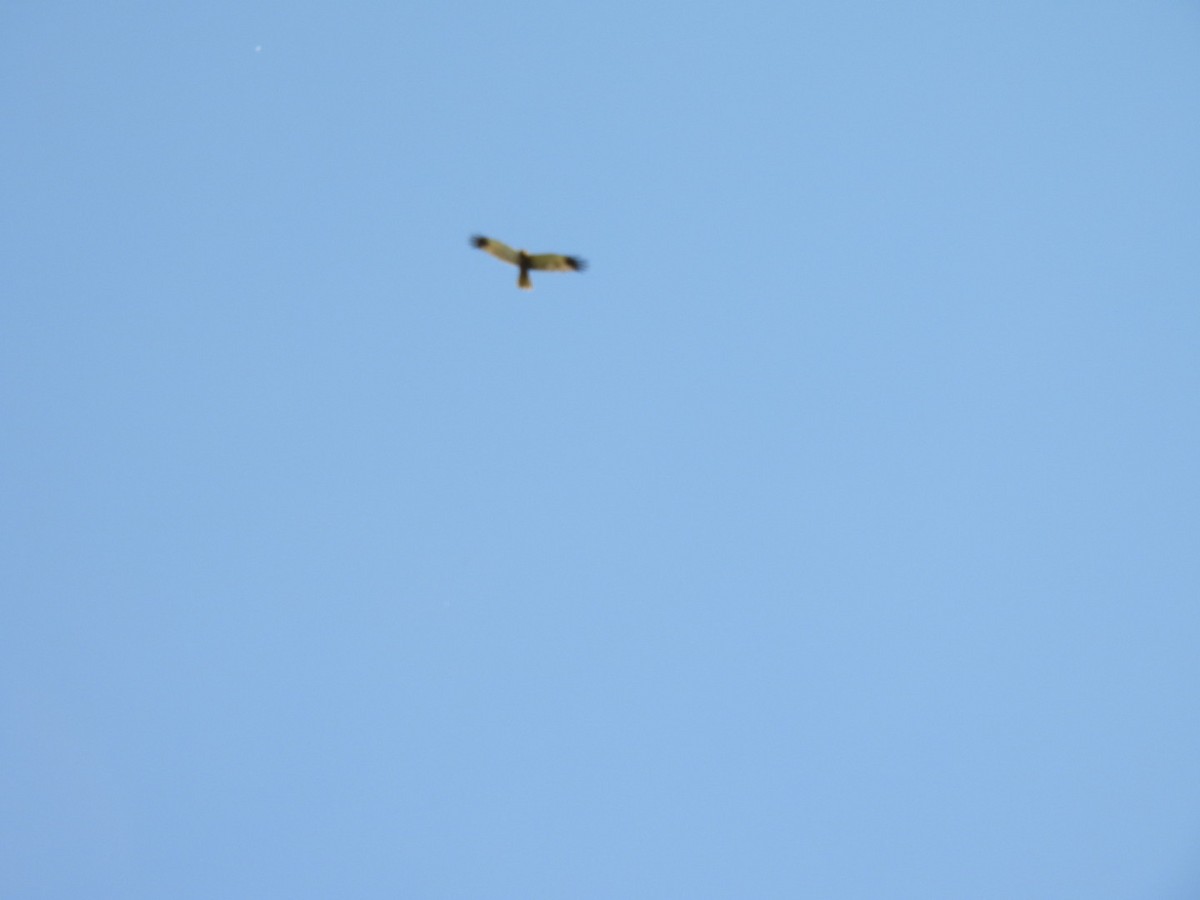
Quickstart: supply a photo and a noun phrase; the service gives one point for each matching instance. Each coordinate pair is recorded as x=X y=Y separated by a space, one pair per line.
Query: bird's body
x=542 y=262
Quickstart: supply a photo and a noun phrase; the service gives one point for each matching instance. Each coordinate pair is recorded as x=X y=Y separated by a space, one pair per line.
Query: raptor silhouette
x=542 y=262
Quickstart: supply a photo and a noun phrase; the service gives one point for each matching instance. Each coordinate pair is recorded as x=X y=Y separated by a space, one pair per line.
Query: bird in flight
x=542 y=262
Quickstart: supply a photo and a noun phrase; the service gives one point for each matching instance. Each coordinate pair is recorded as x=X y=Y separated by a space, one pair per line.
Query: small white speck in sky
x=258 y=48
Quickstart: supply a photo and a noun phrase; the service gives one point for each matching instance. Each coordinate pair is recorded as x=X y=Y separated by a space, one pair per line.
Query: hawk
x=543 y=262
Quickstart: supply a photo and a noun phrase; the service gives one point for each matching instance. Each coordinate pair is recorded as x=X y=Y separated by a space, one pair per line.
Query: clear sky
x=835 y=535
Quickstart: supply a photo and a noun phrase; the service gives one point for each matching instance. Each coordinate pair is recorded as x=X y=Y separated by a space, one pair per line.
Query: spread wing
x=497 y=249
x=553 y=262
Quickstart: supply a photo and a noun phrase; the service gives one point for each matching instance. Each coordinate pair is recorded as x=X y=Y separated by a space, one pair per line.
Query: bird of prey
x=543 y=262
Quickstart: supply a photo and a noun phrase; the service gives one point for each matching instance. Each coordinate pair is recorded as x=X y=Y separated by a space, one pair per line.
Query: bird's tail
x=524 y=281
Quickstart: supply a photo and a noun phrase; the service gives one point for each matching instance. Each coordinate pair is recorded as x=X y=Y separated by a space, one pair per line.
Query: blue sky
x=836 y=534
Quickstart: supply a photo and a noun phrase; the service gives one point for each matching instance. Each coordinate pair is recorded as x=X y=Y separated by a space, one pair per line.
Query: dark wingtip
x=576 y=263
x=478 y=240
